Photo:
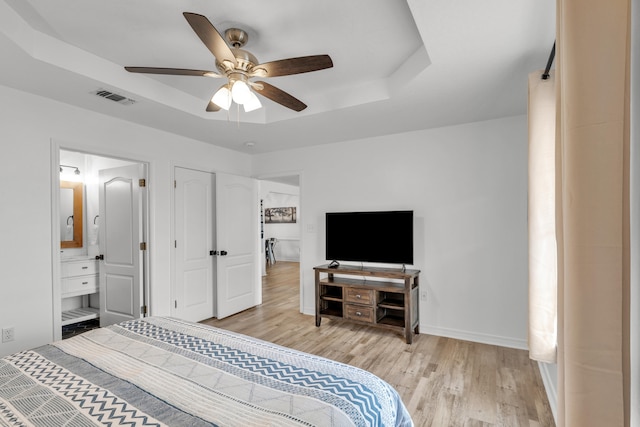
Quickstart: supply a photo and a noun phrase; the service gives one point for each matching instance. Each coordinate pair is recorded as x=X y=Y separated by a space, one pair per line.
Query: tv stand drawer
x=359 y=296
x=359 y=312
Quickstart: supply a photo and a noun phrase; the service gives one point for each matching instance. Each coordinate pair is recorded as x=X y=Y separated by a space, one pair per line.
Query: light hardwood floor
x=443 y=382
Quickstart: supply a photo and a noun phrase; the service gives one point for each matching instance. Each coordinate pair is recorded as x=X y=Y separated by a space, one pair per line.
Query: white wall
x=467 y=186
x=29 y=124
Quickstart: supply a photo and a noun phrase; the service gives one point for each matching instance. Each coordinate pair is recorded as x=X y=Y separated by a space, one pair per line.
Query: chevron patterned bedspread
x=167 y=372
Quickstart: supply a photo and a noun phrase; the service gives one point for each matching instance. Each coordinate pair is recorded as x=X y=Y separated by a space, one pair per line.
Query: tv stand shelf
x=390 y=303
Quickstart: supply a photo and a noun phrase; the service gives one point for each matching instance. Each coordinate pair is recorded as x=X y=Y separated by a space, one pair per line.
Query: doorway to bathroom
x=101 y=277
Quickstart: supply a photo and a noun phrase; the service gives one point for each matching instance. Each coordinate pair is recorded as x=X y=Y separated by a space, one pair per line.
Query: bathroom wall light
x=77 y=171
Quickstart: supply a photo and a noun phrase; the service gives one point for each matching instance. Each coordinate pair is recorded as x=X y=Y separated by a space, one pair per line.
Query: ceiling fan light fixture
x=240 y=92
x=253 y=103
x=238 y=66
x=222 y=98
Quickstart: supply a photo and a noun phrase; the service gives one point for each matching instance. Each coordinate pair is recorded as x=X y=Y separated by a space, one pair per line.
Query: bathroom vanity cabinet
x=79 y=280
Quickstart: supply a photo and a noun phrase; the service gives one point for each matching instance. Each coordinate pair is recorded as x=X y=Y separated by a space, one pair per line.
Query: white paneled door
x=194 y=237
x=121 y=234
x=237 y=244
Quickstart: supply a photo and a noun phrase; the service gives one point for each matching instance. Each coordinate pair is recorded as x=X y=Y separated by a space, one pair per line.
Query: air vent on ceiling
x=115 y=97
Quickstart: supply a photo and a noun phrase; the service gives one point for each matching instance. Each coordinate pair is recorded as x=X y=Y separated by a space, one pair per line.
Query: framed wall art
x=280 y=215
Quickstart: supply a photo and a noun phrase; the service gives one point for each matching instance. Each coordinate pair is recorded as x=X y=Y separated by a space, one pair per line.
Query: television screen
x=384 y=237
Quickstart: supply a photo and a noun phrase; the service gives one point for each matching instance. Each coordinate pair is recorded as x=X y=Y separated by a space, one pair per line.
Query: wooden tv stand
x=391 y=303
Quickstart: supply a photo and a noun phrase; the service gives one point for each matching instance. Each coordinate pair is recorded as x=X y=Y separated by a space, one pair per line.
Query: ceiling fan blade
x=212 y=108
x=280 y=96
x=172 y=71
x=286 y=67
x=210 y=37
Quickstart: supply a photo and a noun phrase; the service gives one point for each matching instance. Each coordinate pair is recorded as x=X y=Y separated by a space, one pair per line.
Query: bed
x=162 y=371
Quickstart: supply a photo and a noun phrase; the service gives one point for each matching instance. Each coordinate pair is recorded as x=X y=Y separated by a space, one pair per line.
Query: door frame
x=55 y=148
x=299 y=174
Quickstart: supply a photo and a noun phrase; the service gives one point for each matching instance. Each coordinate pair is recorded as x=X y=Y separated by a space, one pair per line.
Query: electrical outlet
x=423 y=295
x=8 y=334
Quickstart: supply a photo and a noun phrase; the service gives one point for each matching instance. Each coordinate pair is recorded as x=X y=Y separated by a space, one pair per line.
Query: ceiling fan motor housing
x=236 y=37
x=245 y=61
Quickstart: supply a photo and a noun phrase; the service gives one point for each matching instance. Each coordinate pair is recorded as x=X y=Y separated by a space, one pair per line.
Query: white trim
x=550 y=388
x=465 y=336
x=302 y=266
x=146 y=237
x=55 y=242
x=172 y=251
x=475 y=337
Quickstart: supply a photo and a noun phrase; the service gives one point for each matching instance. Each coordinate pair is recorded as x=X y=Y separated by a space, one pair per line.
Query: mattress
x=161 y=371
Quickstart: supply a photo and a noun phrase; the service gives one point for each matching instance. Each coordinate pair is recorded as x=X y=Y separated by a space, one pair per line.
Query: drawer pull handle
x=85 y=267
x=85 y=283
x=358 y=313
x=358 y=296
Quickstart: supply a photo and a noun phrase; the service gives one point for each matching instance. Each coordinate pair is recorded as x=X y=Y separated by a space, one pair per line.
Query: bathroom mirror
x=71 y=214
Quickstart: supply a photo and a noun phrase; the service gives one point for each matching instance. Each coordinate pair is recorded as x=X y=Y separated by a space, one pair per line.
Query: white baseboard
x=550 y=387
x=475 y=337
x=461 y=335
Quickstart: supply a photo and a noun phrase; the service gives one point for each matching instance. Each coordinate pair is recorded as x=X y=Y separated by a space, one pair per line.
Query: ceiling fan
x=239 y=67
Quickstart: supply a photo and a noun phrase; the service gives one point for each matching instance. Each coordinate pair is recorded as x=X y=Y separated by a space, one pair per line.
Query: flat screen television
x=381 y=236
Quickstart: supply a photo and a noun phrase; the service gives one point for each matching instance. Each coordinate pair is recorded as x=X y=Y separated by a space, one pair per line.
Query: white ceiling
x=398 y=65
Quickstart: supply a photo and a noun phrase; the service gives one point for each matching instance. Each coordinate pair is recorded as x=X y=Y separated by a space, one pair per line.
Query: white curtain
x=591 y=203
x=593 y=77
x=543 y=256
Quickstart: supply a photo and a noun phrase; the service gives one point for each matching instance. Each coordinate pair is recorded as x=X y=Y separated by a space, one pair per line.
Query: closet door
x=238 y=244
x=194 y=237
